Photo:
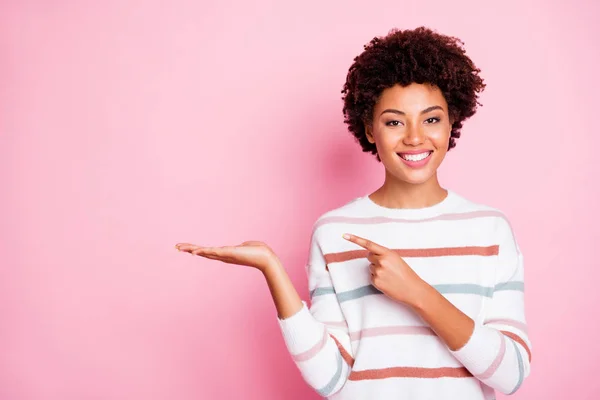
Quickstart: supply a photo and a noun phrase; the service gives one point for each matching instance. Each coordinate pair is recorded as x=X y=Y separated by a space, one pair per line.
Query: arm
x=496 y=352
x=317 y=338
x=286 y=298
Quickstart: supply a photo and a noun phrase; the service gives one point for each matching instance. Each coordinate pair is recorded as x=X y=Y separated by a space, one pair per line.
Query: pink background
x=129 y=126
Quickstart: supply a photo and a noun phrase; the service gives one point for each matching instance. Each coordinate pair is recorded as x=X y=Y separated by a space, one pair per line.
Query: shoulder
x=495 y=221
x=348 y=211
x=464 y=204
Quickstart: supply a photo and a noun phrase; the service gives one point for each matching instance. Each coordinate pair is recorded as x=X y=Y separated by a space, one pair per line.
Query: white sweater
x=356 y=343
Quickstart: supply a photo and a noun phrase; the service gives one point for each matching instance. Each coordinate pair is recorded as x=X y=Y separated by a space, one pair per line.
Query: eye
x=393 y=123
x=432 y=120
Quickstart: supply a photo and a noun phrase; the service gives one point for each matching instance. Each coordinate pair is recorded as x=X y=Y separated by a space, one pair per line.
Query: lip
x=414 y=151
x=416 y=164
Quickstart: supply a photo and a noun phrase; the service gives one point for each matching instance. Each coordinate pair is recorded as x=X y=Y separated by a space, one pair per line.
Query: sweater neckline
x=421 y=212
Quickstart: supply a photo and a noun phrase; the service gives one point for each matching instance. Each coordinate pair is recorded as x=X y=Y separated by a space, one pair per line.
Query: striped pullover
x=353 y=342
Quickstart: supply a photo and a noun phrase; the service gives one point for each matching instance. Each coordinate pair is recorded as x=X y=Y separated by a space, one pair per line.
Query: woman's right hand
x=260 y=256
x=252 y=253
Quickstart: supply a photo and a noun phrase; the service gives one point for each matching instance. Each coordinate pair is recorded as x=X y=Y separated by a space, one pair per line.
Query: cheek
x=387 y=139
x=440 y=136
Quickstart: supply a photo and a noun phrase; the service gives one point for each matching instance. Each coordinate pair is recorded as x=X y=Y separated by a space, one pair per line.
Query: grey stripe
x=515 y=285
x=327 y=389
x=357 y=293
x=465 y=288
x=521 y=369
x=458 y=288
x=320 y=291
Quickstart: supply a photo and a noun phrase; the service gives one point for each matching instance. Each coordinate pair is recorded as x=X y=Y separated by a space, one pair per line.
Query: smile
x=415 y=157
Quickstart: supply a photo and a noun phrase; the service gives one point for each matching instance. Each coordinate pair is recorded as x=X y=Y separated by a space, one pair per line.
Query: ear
x=369 y=133
x=452 y=118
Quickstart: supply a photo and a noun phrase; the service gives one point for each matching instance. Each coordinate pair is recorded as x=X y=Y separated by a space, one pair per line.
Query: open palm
x=252 y=253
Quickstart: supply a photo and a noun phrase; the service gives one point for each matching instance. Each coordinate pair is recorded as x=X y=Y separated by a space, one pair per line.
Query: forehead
x=412 y=98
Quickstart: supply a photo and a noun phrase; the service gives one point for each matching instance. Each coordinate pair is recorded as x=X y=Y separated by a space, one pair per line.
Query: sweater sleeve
x=317 y=337
x=498 y=352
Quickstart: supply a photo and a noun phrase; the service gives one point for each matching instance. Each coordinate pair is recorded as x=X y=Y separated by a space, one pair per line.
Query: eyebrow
x=425 y=111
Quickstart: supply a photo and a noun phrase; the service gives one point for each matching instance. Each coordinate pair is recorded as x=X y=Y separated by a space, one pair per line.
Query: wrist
x=272 y=266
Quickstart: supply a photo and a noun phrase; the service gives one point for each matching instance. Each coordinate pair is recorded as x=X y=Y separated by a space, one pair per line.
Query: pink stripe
x=343 y=256
x=519 y=340
x=510 y=322
x=409 y=372
x=337 y=324
x=392 y=330
x=386 y=220
x=496 y=363
x=345 y=355
x=307 y=355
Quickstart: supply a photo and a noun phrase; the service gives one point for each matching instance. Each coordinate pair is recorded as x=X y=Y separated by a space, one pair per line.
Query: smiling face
x=411 y=130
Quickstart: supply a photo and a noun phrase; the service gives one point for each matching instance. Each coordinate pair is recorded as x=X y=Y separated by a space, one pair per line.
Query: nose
x=414 y=136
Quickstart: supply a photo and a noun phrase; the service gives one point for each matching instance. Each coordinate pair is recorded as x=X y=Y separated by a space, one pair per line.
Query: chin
x=411 y=176
x=415 y=180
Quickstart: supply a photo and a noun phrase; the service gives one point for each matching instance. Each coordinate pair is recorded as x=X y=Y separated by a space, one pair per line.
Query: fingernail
x=346 y=236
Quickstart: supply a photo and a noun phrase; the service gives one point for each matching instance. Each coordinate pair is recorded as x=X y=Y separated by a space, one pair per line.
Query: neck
x=399 y=194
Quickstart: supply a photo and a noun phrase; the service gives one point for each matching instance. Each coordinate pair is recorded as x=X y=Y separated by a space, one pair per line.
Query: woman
x=416 y=292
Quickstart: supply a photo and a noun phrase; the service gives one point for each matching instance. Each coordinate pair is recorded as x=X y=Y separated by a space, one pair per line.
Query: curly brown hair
x=403 y=57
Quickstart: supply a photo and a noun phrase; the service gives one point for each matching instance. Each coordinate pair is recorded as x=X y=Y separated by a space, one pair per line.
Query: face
x=411 y=130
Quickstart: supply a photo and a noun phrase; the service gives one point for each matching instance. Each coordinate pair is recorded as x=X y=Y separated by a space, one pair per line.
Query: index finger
x=365 y=244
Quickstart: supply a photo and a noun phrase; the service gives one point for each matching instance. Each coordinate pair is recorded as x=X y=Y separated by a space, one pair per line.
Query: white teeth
x=415 y=157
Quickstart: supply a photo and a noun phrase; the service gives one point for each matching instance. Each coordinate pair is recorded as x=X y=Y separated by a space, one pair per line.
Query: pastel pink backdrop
x=129 y=126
